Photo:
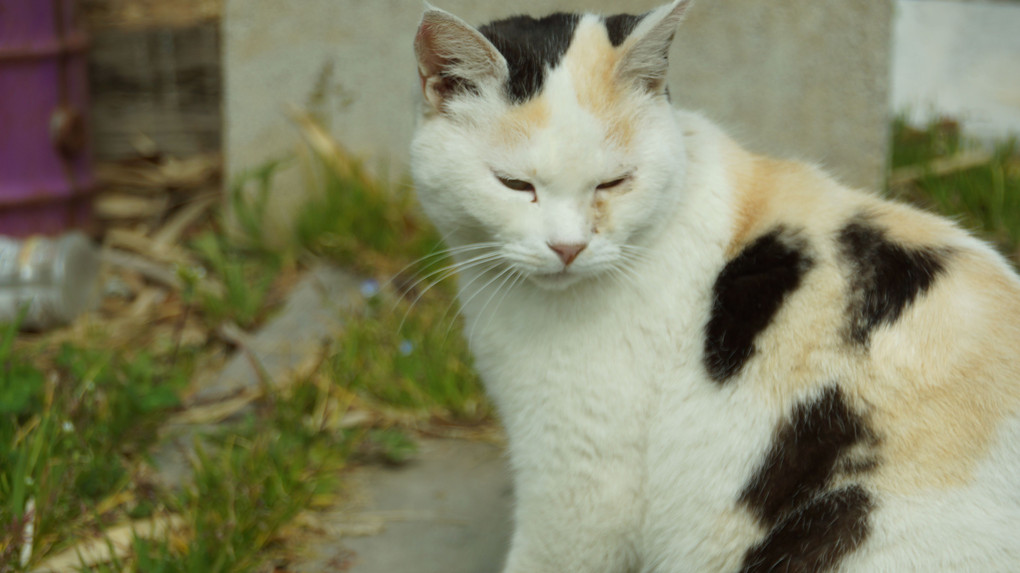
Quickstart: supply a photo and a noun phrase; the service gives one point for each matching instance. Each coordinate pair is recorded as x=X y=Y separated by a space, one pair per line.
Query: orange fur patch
x=600 y=214
x=591 y=61
x=948 y=378
x=521 y=120
x=753 y=179
x=759 y=183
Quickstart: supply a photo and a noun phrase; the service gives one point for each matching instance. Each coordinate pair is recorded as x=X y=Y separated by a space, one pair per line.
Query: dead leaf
x=942 y=166
x=126 y=206
x=113 y=543
x=135 y=241
x=157 y=272
x=170 y=233
x=217 y=411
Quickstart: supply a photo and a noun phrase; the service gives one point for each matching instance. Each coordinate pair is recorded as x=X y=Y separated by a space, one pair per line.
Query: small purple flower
x=369 y=288
x=406 y=347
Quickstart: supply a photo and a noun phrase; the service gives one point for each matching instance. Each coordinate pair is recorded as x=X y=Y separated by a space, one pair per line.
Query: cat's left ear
x=645 y=61
x=454 y=58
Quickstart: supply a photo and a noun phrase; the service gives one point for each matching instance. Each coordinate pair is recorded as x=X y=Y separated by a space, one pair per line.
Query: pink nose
x=568 y=253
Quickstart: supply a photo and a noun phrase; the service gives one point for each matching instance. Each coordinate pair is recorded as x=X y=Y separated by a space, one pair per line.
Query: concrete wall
x=961 y=60
x=796 y=78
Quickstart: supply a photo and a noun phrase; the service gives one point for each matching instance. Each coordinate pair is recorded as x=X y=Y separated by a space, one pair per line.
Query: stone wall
x=959 y=60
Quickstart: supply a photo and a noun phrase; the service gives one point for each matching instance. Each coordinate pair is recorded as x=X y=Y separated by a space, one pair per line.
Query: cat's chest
x=626 y=391
x=608 y=357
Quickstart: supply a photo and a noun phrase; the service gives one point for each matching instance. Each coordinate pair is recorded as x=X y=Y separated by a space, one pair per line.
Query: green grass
x=71 y=436
x=984 y=197
x=242 y=280
x=412 y=358
x=251 y=479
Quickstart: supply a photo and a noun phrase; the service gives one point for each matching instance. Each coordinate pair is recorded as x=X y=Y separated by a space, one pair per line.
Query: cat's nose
x=568 y=253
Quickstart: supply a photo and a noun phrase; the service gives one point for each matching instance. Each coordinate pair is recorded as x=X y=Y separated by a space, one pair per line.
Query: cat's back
x=885 y=341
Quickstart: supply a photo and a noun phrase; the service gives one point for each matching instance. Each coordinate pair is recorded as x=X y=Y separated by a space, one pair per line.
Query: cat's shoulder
x=854 y=224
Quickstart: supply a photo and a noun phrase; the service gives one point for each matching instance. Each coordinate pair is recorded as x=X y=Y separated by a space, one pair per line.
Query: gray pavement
x=446 y=512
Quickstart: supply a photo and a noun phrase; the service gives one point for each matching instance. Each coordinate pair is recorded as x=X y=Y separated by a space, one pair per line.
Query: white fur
x=627 y=457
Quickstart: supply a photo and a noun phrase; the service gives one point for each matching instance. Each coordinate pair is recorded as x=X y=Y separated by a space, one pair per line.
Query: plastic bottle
x=50 y=280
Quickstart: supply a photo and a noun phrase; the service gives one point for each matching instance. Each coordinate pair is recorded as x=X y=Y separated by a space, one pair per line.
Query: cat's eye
x=613 y=183
x=516 y=184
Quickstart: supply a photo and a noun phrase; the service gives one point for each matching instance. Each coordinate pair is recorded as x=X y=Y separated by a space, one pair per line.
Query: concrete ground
x=446 y=512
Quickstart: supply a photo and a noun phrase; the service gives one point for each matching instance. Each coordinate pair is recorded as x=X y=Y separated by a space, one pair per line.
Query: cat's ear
x=454 y=58
x=645 y=61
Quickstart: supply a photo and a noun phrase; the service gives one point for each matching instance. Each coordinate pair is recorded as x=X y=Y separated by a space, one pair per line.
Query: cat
x=705 y=359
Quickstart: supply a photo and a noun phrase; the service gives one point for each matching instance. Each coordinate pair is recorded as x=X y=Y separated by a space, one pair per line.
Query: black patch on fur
x=885 y=277
x=808 y=450
x=530 y=46
x=816 y=536
x=810 y=525
x=620 y=26
x=747 y=295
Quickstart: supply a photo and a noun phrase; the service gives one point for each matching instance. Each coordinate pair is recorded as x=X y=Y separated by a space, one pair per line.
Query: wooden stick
x=943 y=166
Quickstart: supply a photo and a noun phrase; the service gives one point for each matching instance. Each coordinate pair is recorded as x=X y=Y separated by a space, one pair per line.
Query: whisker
x=465 y=288
x=630 y=269
x=633 y=252
x=447 y=272
x=451 y=269
x=440 y=254
x=485 y=286
x=616 y=274
x=517 y=278
x=508 y=274
x=625 y=272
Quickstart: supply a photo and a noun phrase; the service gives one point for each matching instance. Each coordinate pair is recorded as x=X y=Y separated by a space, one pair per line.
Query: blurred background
x=229 y=339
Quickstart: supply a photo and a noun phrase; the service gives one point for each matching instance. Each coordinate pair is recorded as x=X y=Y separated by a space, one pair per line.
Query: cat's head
x=549 y=144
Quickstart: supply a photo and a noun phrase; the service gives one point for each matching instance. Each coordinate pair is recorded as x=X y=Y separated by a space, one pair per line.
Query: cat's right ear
x=454 y=58
x=646 y=51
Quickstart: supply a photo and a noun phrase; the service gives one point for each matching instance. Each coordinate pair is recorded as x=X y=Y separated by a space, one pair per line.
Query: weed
x=71 y=435
x=404 y=357
x=249 y=207
x=357 y=222
x=391 y=445
x=353 y=218
x=984 y=196
x=918 y=146
x=251 y=478
x=238 y=282
x=411 y=358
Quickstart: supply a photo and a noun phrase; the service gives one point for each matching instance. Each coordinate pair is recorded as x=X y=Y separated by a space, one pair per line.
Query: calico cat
x=708 y=360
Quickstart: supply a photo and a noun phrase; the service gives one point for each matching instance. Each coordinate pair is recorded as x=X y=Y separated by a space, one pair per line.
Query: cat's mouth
x=558 y=280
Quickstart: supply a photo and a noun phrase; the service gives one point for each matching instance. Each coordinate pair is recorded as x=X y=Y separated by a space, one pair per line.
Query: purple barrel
x=46 y=177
